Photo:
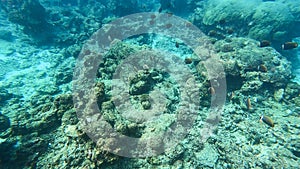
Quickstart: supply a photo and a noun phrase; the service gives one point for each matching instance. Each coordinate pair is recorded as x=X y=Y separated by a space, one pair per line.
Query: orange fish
x=267 y=120
x=262 y=68
x=264 y=43
x=289 y=45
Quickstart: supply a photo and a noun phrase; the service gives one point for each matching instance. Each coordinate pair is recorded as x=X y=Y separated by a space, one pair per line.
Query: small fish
x=248 y=103
x=262 y=68
x=188 y=60
x=212 y=33
x=212 y=90
x=216 y=34
x=169 y=14
x=222 y=21
x=153 y=16
x=168 y=25
x=264 y=43
x=289 y=45
x=231 y=95
x=160 y=9
x=176 y=44
x=230 y=30
x=188 y=24
x=267 y=120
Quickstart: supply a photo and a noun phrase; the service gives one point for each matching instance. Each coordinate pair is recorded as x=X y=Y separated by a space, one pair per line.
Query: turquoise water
x=155 y=84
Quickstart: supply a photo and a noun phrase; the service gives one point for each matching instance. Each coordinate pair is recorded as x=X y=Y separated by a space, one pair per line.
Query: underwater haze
x=162 y=84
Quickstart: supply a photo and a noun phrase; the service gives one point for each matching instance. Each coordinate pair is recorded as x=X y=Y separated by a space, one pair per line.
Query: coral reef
x=138 y=97
x=4 y=95
x=4 y=123
x=29 y=13
x=255 y=19
x=50 y=125
x=112 y=59
x=280 y=24
x=256 y=67
x=144 y=81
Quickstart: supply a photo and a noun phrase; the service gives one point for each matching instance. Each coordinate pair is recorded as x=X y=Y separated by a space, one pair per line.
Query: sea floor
x=40 y=127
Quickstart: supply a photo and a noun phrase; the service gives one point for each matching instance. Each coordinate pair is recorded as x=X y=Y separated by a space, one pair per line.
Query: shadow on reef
x=31 y=15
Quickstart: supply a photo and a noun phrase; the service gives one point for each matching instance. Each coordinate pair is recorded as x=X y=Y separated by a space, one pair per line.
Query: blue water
x=149 y=84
